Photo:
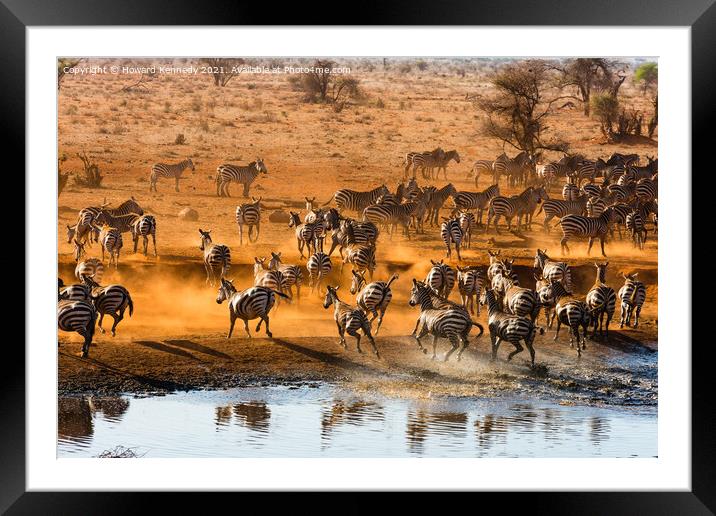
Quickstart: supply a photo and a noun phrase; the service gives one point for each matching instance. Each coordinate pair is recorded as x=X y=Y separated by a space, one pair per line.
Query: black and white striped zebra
x=631 y=297
x=249 y=214
x=601 y=301
x=111 y=240
x=508 y=327
x=437 y=200
x=515 y=299
x=559 y=208
x=467 y=223
x=573 y=313
x=522 y=205
x=636 y=227
x=570 y=190
x=552 y=270
x=451 y=234
x=273 y=279
x=441 y=163
x=391 y=215
x=578 y=226
x=496 y=265
x=349 y=319
x=483 y=166
x=77 y=316
x=292 y=274
x=592 y=190
x=476 y=200
x=76 y=292
x=243 y=174
x=249 y=304
x=441 y=323
x=145 y=226
x=470 y=282
x=123 y=223
x=545 y=293
x=374 y=297
x=352 y=232
x=319 y=267
x=353 y=200
x=112 y=300
x=441 y=278
x=91 y=267
x=91 y=234
x=595 y=206
x=362 y=257
x=647 y=189
x=217 y=258
x=422 y=160
x=169 y=171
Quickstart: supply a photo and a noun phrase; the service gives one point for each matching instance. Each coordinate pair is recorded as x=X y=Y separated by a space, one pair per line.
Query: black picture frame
x=700 y=15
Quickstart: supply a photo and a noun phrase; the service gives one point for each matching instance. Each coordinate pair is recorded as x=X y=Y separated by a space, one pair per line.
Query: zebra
x=592 y=190
x=249 y=304
x=589 y=227
x=362 y=257
x=292 y=274
x=441 y=278
x=319 y=266
x=145 y=226
x=467 y=222
x=77 y=316
x=353 y=200
x=589 y=170
x=518 y=205
x=91 y=267
x=623 y=159
x=476 y=200
x=217 y=257
x=635 y=225
x=647 y=190
x=442 y=163
x=517 y=169
x=111 y=239
x=601 y=300
x=89 y=235
x=353 y=232
x=621 y=211
x=508 y=327
x=76 y=292
x=447 y=323
x=349 y=319
x=263 y=277
x=249 y=214
x=515 y=299
x=391 y=215
x=482 y=166
x=470 y=282
x=426 y=161
x=559 y=208
x=110 y=300
x=305 y=233
x=631 y=296
x=545 y=293
x=573 y=313
x=552 y=270
x=595 y=206
x=451 y=233
x=437 y=200
x=164 y=170
x=570 y=191
x=374 y=297
x=244 y=174
x=123 y=223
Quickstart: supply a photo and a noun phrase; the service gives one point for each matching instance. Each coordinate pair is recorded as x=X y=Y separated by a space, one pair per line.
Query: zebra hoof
x=114 y=333
x=101 y=330
x=269 y=335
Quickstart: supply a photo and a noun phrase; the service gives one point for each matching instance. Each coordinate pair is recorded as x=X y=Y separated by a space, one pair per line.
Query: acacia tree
x=64 y=63
x=648 y=75
x=223 y=69
x=517 y=113
x=322 y=85
x=586 y=74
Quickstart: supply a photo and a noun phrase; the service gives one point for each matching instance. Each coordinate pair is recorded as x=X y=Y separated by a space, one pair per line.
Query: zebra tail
x=392 y=279
x=131 y=304
x=280 y=294
x=475 y=323
x=329 y=200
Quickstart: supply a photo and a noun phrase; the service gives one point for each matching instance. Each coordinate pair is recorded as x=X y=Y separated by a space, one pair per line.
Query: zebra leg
x=268 y=332
x=246 y=189
x=99 y=323
x=117 y=318
x=622 y=314
x=601 y=241
x=135 y=239
x=341 y=335
x=465 y=337
x=495 y=344
x=455 y=341
x=258 y=229
x=435 y=347
x=636 y=316
x=353 y=333
x=564 y=245
x=559 y=325
x=241 y=234
x=518 y=349
x=529 y=341
x=154 y=241
x=176 y=184
x=585 y=325
x=366 y=332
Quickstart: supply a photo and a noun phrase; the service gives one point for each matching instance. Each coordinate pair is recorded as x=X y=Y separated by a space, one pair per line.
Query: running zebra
x=437 y=200
x=559 y=208
x=76 y=292
x=319 y=267
x=243 y=174
x=451 y=233
x=305 y=233
x=217 y=258
x=164 y=170
x=518 y=206
x=470 y=282
x=349 y=319
x=249 y=214
x=111 y=240
x=635 y=225
x=552 y=270
x=91 y=267
x=508 y=327
x=578 y=226
x=515 y=299
x=352 y=232
x=443 y=323
x=292 y=274
x=601 y=300
x=374 y=297
x=263 y=277
x=572 y=313
x=77 y=316
x=111 y=300
x=352 y=200
x=249 y=304
x=441 y=278
x=482 y=166
x=362 y=257
x=545 y=293
x=145 y=226
x=631 y=296
x=476 y=200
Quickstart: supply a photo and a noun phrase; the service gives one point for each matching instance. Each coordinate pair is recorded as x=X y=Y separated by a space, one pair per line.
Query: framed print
x=360 y=258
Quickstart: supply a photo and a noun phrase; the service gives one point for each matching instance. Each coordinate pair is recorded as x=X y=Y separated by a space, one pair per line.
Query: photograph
x=357 y=257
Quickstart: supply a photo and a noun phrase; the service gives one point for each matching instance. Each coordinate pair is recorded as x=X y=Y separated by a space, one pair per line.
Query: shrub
x=180 y=139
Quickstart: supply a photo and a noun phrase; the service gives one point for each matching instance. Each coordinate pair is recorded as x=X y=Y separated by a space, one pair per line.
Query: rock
x=279 y=216
x=189 y=214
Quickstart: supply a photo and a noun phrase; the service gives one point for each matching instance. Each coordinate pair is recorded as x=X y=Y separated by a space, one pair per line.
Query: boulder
x=279 y=216
x=189 y=214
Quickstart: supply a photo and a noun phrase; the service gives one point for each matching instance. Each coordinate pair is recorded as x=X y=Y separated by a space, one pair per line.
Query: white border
x=670 y=471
